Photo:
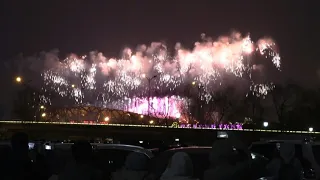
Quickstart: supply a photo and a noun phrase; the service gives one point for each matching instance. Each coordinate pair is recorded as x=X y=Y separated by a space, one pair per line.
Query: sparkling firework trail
x=96 y=78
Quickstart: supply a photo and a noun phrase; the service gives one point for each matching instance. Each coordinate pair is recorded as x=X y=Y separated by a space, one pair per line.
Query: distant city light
x=141 y=116
x=151 y=121
x=178 y=115
x=43 y=115
x=265 y=124
x=310 y=129
x=41 y=107
x=253 y=156
x=106 y=118
x=47 y=147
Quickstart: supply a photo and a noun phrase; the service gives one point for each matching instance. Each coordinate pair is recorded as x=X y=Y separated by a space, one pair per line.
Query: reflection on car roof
x=108 y=146
x=190 y=147
x=207 y=148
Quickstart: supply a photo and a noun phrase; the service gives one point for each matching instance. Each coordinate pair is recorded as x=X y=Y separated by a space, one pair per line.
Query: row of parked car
x=110 y=157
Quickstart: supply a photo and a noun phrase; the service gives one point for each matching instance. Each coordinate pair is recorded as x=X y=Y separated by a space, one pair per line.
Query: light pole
x=39 y=109
x=149 y=91
x=18 y=79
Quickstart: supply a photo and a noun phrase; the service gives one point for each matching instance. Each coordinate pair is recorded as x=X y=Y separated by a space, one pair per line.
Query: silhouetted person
x=41 y=166
x=229 y=161
x=82 y=168
x=18 y=165
x=180 y=167
x=135 y=168
x=286 y=165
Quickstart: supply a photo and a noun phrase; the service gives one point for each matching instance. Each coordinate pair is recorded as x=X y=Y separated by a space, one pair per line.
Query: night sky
x=108 y=26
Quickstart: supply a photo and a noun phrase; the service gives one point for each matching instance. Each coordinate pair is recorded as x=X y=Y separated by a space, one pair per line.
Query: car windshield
x=267 y=150
x=270 y=151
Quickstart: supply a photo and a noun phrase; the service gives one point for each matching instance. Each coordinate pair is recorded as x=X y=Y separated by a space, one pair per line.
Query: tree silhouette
x=254 y=110
x=285 y=101
x=25 y=104
x=228 y=104
x=305 y=112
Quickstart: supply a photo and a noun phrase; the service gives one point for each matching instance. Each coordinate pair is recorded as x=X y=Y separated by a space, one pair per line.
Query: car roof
x=296 y=142
x=288 y=137
x=5 y=143
x=276 y=141
x=126 y=147
x=190 y=148
x=200 y=149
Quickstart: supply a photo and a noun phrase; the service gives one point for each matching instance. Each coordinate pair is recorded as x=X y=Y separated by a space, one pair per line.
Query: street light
x=265 y=124
x=141 y=116
x=151 y=122
x=73 y=85
x=37 y=110
x=310 y=129
x=106 y=119
x=193 y=83
x=18 y=79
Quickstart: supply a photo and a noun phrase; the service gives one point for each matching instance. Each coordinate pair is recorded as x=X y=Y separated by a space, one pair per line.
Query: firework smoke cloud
x=98 y=80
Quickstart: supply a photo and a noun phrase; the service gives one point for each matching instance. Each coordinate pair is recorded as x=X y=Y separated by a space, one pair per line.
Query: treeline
x=287 y=106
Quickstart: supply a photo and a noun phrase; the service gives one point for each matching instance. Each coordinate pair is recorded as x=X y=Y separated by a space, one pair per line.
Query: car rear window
x=269 y=150
x=110 y=160
x=298 y=153
x=266 y=150
x=200 y=160
x=107 y=160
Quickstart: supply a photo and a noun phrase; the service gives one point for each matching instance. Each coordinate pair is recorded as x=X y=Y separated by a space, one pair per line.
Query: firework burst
x=97 y=80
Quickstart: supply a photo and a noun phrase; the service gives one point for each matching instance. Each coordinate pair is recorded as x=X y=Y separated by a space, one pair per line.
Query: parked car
x=307 y=151
x=106 y=157
x=199 y=157
x=5 y=149
x=105 y=147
